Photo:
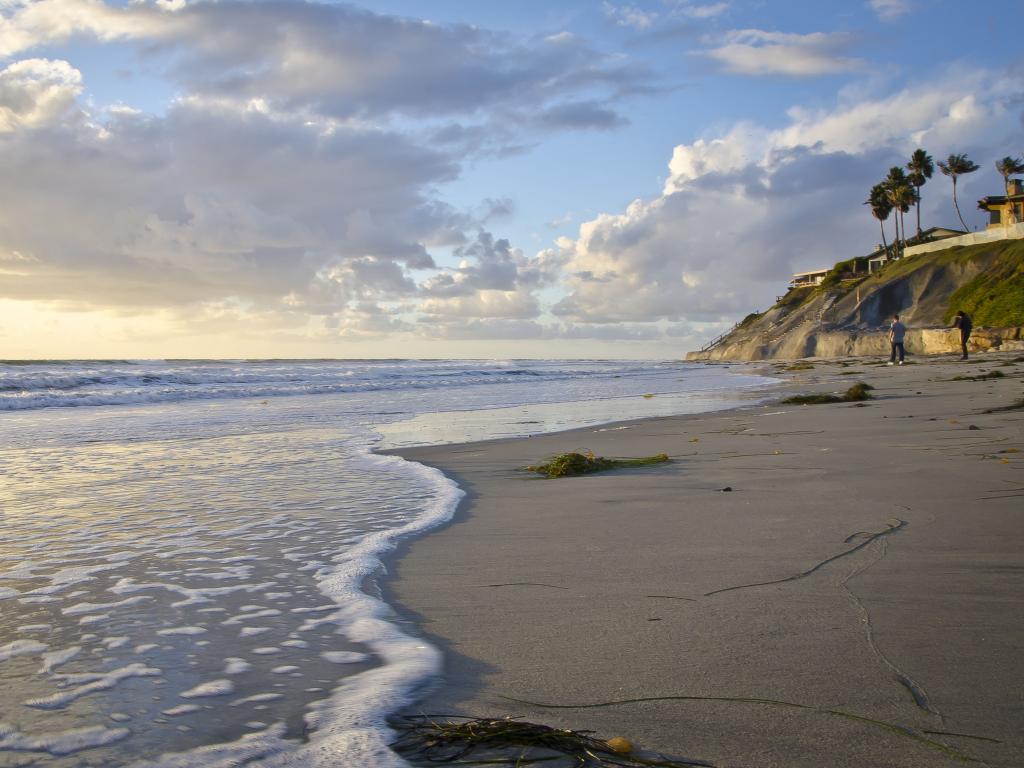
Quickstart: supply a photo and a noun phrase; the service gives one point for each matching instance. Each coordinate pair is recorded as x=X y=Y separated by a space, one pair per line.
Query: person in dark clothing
x=897 y=331
x=963 y=322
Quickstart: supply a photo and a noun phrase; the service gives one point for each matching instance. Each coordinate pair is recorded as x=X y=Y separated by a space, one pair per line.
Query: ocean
x=190 y=548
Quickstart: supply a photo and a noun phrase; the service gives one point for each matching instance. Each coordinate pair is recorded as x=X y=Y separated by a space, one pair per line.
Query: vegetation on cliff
x=996 y=296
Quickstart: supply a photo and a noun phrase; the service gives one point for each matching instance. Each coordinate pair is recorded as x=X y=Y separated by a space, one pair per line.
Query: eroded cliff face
x=852 y=318
x=839 y=343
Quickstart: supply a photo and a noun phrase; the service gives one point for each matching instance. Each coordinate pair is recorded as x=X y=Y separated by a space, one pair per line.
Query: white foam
x=54 y=659
x=344 y=657
x=61 y=742
x=258 y=698
x=250 y=747
x=181 y=709
x=21 y=648
x=192 y=595
x=353 y=721
x=236 y=666
x=172 y=631
x=96 y=619
x=211 y=688
x=266 y=651
x=259 y=614
x=252 y=631
x=102 y=681
x=26 y=628
x=80 y=608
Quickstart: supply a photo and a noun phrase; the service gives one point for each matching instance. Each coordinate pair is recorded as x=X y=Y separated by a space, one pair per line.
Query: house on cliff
x=880 y=255
x=1005 y=210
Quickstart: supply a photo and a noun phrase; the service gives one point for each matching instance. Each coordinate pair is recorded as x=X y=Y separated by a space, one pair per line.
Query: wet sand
x=867 y=561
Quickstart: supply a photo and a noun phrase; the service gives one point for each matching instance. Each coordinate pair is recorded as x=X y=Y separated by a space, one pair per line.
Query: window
x=993 y=216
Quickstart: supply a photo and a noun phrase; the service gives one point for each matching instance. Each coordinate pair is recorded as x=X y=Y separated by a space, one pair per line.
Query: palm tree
x=921 y=169
x=1007 y=167
x=900 y=193
x=955 y=166
x=878 y=199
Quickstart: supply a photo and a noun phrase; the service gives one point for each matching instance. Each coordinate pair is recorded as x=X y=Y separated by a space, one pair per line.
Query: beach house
x=1007 y=209
x=803 y=279
x=880 y=255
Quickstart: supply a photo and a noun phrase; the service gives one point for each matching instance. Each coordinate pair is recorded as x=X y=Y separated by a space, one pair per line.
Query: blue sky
x=458 y=178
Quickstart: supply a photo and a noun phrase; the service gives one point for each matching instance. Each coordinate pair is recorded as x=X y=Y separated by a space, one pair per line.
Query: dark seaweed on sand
x=859 y=391
x=572 y=464
x=429 y=740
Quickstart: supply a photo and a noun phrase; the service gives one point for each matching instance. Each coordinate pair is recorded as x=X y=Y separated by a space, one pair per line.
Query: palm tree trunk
x=918 y=213
x=885 y=244
x=896 y=242
x=957 y=206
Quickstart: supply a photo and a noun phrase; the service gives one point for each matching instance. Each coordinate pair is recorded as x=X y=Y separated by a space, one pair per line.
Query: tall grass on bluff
x=859 y=391
x=572 y=464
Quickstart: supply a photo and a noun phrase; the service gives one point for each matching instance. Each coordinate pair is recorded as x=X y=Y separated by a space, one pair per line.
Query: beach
x=187 y=542
x=818 y=585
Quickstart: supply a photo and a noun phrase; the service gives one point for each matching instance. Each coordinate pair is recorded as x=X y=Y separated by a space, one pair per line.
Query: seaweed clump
x=858 y=392
x=572 y=464
x=980 y=377
x=510 y=741
x=1017 y=406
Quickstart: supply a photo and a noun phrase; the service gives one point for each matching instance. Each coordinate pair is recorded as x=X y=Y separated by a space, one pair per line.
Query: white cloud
x=743 y=210
x=757 y=52
x=294 y=178
x=37 y=92
x=483 y=303
x=334 y=60
x=888 y=10
x=630 y=16
x=701 y=10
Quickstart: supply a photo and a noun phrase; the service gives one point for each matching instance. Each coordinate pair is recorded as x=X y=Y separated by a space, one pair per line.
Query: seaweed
x=859 y=391
x=1017 y=406
x=980 y=377
x=453 y=740
x=573 y=464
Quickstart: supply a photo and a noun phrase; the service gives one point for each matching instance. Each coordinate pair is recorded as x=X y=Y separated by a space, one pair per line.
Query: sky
x=451 y=178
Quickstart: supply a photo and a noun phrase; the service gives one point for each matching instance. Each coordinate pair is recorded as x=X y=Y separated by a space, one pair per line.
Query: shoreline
x=518 y=613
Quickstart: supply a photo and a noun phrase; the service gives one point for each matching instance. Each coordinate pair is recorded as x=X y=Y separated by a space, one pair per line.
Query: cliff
x=849 y=313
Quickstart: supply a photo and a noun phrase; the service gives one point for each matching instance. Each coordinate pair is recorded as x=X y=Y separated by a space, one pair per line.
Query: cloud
x=205 y=203
x=742 y=210
x=581 y=115
x=757 y=52
x=699 y=10
x=37 y=92
x=294 y=178
x=629 y=16
x=888 y=10
x=334 y=60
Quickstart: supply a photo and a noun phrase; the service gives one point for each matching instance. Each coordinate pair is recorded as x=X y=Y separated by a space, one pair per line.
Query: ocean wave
x=57 y=385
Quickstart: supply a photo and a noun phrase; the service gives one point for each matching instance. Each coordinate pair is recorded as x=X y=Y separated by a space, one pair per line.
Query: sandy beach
x=864 y=571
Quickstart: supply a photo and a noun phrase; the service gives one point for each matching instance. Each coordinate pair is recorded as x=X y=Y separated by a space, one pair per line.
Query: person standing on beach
x=963 y=322
x=896 y=333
